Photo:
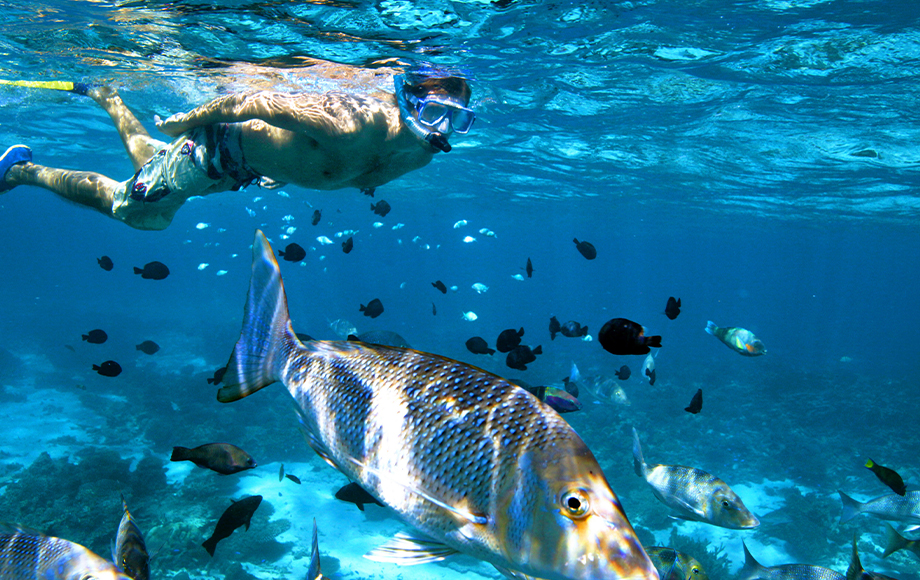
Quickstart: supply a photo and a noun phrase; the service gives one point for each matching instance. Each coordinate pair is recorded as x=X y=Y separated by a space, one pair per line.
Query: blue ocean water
x=756 y=159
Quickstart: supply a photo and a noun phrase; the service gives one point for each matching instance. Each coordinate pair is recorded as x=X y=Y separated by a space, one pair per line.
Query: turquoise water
x=758 y=160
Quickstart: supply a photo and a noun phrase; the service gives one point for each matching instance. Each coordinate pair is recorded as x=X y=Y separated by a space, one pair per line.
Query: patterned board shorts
x=200 y=161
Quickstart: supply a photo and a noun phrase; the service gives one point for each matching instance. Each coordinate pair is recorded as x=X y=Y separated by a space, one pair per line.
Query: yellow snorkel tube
x=79 y=88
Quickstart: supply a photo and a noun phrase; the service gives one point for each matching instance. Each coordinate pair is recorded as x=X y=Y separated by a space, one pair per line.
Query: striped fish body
x=754 y=570
x=674 y=565
x=130 y=549
x=892 y=507
x=29 y=555
x=694 y=494
x=475 y=463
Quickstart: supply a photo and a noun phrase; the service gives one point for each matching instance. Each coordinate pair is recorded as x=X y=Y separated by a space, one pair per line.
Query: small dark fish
x=382 y=208
x=384 y=337
x=529 y=268
x=434 y=309
x=130 y=550
x=440 y=286
x=153 y=271
x=293 y=253
x=95 y=336
x=478 y=345
x=369 y=191
x=293 y=478
x=570 y=386
x=554 y=327
x=218 y=376
x=373 y=309
x=574 y=329
x=281 y=472
x=223 y=458
x=521 y=356
x=887 y=476
x=317 y=215
x=70 y=348
x=652 y=375
x=586 y=249
x=148 y=347
x=696 y=403
x=509 y=339
x=673 y=308
x=622 y=336
x=303 y=337
x=238 y=514
x=347 y=245
x=105 y=263
x=109 y=368
x=624 y=373
x=354 y=493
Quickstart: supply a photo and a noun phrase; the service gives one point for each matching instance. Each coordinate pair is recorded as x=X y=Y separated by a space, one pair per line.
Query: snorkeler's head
x=434 y=106
x=451 y=87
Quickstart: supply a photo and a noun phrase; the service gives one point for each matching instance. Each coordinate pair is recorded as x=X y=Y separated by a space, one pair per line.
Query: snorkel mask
x=431 y=113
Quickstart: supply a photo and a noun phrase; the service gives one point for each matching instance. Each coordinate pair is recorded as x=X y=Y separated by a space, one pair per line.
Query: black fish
x=586 y=249
x=303 y=337
x=554 y=327
x=571 y=387
x=478 y=345
x=293 y=253
x=105 y=263
x=574 y=329
x=382 y=208
x=508 y=339
x=888 y=476
x=622 y=336
x=293 y=478
x=624 y=373
x=529 y=268
x=148 y=347
x=238 y=514
x=218 y=376
x=650 y=373
x=317 y=215
x=521 y=356
x=384 y=337
x=95 y=336
x=369 y=191
x=673 y=308
x=373 y=309
x=440 y=286
x=696 y=403
x=434 y=309
x=223 y=458
x=153 y=271
x=354 y=493
x=347 y=245
x=109 y=368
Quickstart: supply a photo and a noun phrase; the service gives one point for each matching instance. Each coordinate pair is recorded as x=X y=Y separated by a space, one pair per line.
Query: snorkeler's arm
x=319 y=116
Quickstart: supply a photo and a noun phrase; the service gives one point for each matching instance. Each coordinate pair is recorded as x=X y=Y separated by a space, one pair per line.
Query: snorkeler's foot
x=12 y=156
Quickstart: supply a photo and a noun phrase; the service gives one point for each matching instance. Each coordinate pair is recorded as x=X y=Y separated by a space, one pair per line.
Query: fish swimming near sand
x=693 y=494
x=29 y=555
x=754 y=570
x=893 y=507
x=223 y=458
x=239 y=514
x=313 y=571
x=887 y=476
x=473 y=462
x=354 y=493
x=130 y=550
x=895 y=541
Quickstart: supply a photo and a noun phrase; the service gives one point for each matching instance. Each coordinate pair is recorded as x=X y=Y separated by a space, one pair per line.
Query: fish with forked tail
x=891 y=507
x=473 y=462
x=754 y=570
x=739 y=340
x=694 y=494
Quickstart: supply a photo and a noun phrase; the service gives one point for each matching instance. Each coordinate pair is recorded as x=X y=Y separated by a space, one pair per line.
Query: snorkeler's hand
x=174 y=125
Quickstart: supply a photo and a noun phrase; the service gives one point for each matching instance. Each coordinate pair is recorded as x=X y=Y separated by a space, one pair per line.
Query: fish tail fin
x=538 y=350
x=574 y=375
x=259 y=356
x=180 y=454
x=584 y=331
x=711 y=327
x=490 y=351
x=893 y=540
x=638 y=461
x=313 y=572
x=654 y=341
x=138 y=270
x=752 y=568
x=851 y=507
x=210 y=544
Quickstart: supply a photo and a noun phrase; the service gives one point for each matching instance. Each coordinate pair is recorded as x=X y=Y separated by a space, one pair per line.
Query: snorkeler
x=324 y=141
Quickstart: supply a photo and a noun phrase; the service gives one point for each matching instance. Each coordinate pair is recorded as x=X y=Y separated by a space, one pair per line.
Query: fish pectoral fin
x=515 y=575
x=410 y=550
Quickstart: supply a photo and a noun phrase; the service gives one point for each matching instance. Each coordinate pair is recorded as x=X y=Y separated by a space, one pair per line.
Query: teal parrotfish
x=694 y=494
x=739 y=340
x=28 y=555
x=475 y=463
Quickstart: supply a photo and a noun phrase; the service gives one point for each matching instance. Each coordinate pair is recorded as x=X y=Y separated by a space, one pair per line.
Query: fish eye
x=575 y=503
x=726 y=503
x=695 y=571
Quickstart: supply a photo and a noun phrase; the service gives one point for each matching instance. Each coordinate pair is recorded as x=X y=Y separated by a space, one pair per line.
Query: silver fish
x=29 y=555
x=476 y=464
x=893 y=507
x=130 y=550
x=855 y=570
x=314 y=572
x=694 y=494
x=754 y=570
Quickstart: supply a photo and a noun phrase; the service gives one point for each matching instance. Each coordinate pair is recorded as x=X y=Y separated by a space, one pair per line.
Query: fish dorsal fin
x=313 y=572
x=410 y=550
x=461 y=513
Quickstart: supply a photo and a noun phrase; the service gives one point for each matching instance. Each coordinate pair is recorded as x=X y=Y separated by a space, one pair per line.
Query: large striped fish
x=29 y=555
x=473 y=462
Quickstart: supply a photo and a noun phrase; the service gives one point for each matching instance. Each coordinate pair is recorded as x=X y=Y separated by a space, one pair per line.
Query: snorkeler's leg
x=93 y=190
x=140 y=145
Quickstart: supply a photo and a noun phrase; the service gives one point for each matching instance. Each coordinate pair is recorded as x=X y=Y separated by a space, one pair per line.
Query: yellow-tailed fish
x=29 y=555
x=130 y=550
x=693 y=494
x=674 y=565
x=473 y=462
